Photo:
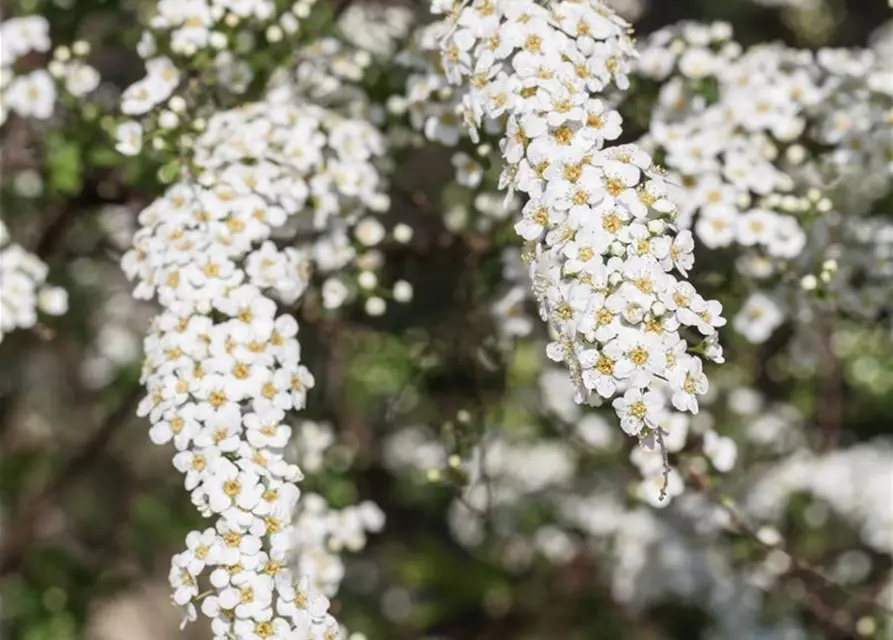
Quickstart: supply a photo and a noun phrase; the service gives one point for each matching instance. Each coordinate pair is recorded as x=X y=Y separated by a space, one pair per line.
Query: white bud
x=768 y=535
x=618 y=249
x=369 y=232
x=177 y=104
x=56 y=68
x=375 y=306
x=334 y=293
x=657 y=227
x=397 y=105
x=809 y=282
x=274 y=33
x=796 y=154
x=231 y=19
x=402 y=233
x=158 y=144
x=658 y=309
x=168 y=120
x=53 y=300
x=289 y=23
x=362 y=58
x=367 y=280
x=81 y=48
x=402 y=291
x=614 y=279
x=62 y=53
x=218 y=40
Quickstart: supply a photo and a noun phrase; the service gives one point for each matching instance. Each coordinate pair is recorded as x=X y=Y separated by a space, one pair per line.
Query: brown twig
x=21 y=534
x=838 y=619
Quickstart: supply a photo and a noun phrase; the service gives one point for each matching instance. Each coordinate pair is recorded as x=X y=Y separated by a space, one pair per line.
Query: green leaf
x=64 y=164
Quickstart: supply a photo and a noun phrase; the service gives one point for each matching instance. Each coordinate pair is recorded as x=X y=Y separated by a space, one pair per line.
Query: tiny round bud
x=657 y=227
x=433 y=475
x=618 y=249
x=168 y=120
x=397 y=105
x=658 y=309
x=402 y=291
x=367 y=280
x=177 y=104
x=454 y=461
x=56 y=68
x=231 y=19
x=809 y=282
x=274 y=33
x=375 y=306
x=218 y=40
x=363 y=58
x=81 y=48
x=768 y=535
x=402 y=233
x=796 y=154
x=289 y=23
x=62 y=53
x=369 y=232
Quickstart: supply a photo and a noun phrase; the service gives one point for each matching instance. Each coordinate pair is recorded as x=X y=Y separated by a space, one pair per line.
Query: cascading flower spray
x=598 y=222
x=223 y=367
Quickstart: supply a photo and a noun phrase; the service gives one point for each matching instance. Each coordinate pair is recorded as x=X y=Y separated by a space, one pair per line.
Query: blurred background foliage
x=91 y=511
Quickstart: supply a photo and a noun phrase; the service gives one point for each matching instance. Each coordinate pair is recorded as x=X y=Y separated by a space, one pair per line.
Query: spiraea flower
x=223 y=370
x=599 y=220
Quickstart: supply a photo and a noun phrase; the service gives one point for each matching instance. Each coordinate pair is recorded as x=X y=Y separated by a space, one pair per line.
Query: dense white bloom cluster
x=783 y=153
x=33 y=92
x=855 y=482
x=598 y=221
x=223 y=368
x=514 y=478
x=30 y=94
x=23 y=292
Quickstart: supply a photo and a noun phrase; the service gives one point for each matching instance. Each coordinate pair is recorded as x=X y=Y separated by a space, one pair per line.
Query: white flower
x=758 y=318
x=129 y=138
x=53 y=300
x=32 y=95
x=721 y=451
x=638 y=410
x=688 y=381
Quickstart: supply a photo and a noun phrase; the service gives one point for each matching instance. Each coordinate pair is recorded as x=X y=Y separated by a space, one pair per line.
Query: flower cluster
x=598 y=221
x=191 y=46
x=23 y=292
x=223 y=367
x=784 y=153
x=32 y=92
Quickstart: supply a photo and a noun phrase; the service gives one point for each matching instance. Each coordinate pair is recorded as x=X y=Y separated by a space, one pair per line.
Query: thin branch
x=740 y=521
